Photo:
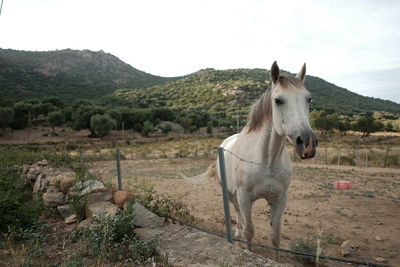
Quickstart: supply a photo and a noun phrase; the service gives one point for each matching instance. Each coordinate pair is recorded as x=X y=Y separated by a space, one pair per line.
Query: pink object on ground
x=342 y=185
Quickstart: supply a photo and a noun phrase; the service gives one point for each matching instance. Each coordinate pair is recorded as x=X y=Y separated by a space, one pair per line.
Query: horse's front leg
x=277 y=209
x=245 y=206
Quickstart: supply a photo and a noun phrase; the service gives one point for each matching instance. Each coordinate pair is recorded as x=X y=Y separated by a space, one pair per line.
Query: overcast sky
x=353 y=44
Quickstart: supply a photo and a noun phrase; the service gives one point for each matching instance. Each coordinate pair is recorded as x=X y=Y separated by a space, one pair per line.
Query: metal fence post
x=118 y=156
x=224 y=187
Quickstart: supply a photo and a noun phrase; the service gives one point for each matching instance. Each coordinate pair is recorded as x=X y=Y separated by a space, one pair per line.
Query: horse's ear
x=302 y=74
x=275 y=72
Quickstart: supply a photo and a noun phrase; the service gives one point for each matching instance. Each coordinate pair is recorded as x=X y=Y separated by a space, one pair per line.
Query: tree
x=6 y=116
x=55 y=118
x=323 y=122
x=102 y=124
x=343 y=126
x=367 y=124
x=81 y=118
x=147 y=128
x=21 y=114
x=54 y=101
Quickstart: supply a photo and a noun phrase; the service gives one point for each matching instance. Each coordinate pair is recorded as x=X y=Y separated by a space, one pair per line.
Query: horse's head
x=290 y=102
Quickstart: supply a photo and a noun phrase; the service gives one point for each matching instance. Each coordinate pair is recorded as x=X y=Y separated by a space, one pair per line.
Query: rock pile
x=58 y=187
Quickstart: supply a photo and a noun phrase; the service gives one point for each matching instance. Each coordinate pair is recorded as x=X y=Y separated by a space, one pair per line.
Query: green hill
x=231 y=92
x=69 y=74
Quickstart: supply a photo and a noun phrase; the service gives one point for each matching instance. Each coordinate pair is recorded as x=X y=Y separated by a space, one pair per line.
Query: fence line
x=231 y=239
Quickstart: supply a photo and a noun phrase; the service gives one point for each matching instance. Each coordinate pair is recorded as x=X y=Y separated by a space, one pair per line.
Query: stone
x=32 y=176
x=53 y=189
x=40 y=184
x=348 y=248
x=42 y=163
x=99 y=208
x=99 y=197
x=145 y=218
x=65 y=211
x=121 y=197
x=85 y=223
x=54 y=199
x=25 y=169
x=186 y=246
x=71 y=219
x=378 y=238
x=380 y=259
x=87 y=187
x=66 y=181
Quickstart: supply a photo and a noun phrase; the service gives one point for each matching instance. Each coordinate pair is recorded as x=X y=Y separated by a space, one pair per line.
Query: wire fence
x=177 y=192
x=364 y=157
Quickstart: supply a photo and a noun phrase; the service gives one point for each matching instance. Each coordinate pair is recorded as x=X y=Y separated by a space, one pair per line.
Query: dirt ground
x=368 y=214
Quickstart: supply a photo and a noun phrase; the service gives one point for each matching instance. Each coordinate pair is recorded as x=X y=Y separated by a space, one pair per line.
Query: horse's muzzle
x=306 y=144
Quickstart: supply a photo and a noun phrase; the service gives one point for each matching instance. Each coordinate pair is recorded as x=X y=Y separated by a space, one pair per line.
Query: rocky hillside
x=233 y=91
x=69 y=74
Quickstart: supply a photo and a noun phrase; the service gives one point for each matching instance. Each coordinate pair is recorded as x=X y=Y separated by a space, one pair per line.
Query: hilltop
x=68 y=74
x=76 y=74
x=231 y=92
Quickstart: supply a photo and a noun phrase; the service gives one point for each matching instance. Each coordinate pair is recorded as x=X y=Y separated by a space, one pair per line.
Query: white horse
x=257 y=162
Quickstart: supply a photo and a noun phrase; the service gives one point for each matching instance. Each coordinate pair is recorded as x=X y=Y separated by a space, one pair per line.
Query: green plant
x=112 y=238
x=147 y=128
x=102 y=124
x=304 y=245
x=330 y=239
x=145 y=194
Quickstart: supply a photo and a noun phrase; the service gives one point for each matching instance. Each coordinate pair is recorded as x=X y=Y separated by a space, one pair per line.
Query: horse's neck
x=271 y=145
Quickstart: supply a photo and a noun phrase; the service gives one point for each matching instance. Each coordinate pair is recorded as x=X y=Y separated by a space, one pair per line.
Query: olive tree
x=55 y=118
x=102 y=124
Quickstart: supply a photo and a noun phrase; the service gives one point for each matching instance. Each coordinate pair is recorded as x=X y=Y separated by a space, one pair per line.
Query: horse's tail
x=209 y=175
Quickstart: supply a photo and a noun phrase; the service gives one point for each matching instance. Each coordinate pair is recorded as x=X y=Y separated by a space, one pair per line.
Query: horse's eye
x=309 y=100
x=278 y=101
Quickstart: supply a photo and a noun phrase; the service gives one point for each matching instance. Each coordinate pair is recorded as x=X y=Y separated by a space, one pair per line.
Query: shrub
x=102 y=124
x=304 y=245
x=112 y=238
x=165 y=127
x=147 y=128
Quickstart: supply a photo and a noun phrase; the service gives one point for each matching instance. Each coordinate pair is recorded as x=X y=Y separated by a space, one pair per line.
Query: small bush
x=147 y=128
x=304 y=245
x=102 y=124
x=165 y=127
x=112 y=238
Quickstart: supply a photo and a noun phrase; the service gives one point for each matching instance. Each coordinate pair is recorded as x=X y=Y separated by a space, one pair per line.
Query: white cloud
x=170 y=38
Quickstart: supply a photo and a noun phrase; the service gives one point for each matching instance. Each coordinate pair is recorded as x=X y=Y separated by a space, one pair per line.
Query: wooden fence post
x=386 y=156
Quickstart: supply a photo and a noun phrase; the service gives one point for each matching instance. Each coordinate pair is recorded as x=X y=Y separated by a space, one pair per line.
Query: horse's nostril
x=299 y=141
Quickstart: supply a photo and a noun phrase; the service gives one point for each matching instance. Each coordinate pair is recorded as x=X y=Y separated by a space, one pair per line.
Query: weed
x=161 y=205
x=304 y=245
x=112 y=238
x=330 y=239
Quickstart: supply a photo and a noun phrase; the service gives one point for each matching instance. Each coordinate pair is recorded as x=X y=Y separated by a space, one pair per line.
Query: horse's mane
x=261 y=111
